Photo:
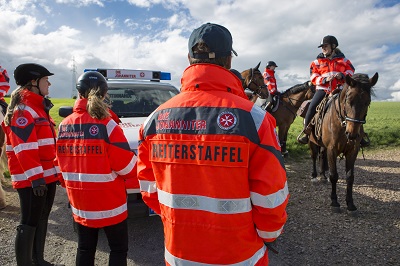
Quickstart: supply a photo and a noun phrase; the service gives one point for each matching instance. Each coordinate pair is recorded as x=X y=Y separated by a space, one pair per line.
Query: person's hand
x=40 y=191
x=339 y=76
x=328 y=79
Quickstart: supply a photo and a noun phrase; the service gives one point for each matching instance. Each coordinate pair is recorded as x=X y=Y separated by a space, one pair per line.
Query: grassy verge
x=382 y=127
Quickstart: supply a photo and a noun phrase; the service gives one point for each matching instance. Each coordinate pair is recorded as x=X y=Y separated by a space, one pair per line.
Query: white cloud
x=108 y=22
x=287 y=33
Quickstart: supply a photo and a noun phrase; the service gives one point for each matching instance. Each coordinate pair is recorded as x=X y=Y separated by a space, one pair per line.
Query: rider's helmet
x=91 y=80
x=329 y=39
x=271 y=63
x=30 y=71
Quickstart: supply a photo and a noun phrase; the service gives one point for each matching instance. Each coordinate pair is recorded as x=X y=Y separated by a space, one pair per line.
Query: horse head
x=354 y=101
x=254 y=81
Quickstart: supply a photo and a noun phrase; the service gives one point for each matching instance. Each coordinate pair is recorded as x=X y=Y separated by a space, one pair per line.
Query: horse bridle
x=257 y=91
x=346 y=118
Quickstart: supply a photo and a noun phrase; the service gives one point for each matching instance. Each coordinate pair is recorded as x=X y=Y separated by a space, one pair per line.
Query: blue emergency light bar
x=131 y=74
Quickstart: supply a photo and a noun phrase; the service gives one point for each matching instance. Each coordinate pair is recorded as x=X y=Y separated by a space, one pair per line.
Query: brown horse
x=285 y=112
x=340 y=131
x=254 y=81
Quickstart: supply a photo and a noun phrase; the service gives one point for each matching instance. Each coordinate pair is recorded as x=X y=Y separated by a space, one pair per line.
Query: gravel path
x=313 y=234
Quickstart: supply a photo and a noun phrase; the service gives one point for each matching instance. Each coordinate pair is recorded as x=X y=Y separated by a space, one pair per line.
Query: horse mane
x=363 y=82
x=295 y=89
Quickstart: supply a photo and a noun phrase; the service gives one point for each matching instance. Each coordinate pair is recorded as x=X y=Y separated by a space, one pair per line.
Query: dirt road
x=313 y=234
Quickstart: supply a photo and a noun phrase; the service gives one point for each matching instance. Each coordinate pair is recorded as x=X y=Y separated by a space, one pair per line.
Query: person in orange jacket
x=270 y=81
x=95 y=160
x=4 y=88
x=327 y=73
x=209 y=164
x=30 y=150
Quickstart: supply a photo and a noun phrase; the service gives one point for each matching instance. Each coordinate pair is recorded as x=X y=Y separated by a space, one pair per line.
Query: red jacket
x=323 y=67
x=4 y=85
x=209 y=163
x=270 y=81
x=95 y=159
x=31 y=142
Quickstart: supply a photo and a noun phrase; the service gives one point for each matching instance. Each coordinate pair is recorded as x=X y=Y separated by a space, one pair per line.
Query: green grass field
x=382 y=127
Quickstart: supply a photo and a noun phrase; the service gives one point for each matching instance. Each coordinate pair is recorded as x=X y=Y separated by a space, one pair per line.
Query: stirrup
x=304 y=139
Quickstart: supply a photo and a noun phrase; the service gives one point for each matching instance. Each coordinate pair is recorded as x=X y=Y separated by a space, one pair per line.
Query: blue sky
x=153 y=34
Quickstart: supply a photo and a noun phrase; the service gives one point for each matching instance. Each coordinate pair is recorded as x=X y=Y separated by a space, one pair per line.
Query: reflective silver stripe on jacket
x=110 y=126
x=129 y=167
x=195 y=202
x=175 y=261
x=258 y=115
x=81 y=177
x=96 y=215
x=29 y=109
x=49 y=172
x=28 y=173
x=26 y=147
x=47 y=141
x=265 y=234
x=148 y=186
x=270 y=201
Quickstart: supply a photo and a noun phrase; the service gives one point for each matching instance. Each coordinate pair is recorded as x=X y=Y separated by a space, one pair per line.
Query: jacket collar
x=210 y=77
x=80 y=105
x=31 y=98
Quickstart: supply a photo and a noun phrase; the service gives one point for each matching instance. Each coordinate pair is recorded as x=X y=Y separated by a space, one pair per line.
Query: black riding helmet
x=329 y=39
x=91 y=80
x=271 y=63
x=30 y=71
x=237 y=74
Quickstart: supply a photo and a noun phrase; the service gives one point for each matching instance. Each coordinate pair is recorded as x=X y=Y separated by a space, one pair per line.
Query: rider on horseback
x=270 y=81
x=328 y=73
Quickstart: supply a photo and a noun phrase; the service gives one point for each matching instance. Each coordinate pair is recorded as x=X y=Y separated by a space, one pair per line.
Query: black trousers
x=117 y=236
x=34 y=208
x=317 y=98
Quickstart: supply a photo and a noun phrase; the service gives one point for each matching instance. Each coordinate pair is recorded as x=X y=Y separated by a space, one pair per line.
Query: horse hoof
x=352 y=213
x=335 y=209
x=323 y=180
x=314 y=180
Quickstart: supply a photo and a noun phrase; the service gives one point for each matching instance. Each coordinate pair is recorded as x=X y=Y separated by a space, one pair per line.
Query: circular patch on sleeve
x=226 y=120
x=21 y=121
x=94 y=130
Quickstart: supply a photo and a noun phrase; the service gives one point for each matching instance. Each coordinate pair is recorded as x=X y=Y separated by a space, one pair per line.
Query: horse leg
x=323 y=164
x=333 y=177
x=314 y=149
x=282 y=134
x=350 y=159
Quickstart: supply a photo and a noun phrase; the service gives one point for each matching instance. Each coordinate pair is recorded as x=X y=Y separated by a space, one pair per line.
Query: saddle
x=272 y=104
x=316 y=122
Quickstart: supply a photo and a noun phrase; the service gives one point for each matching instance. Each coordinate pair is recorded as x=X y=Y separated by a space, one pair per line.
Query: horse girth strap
x=319 y=116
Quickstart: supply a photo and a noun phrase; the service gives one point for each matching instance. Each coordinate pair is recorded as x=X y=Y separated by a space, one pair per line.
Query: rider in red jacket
x=95 y=160
x=270 y=81
x=210 y=165
x=327 y=73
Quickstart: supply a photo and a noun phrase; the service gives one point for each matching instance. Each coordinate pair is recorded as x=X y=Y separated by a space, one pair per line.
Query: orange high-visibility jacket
x=4 y=82
x=270 y=81
x=31 y=140
x=323 y=67
x=94 y=159
x=209 y=163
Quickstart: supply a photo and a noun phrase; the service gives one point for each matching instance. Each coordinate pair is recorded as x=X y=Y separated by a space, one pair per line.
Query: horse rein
x=346 y=118
x=257 y=91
